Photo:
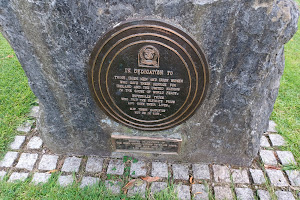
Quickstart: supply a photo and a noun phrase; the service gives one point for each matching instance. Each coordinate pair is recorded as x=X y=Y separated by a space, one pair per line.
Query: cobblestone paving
x=265 y=179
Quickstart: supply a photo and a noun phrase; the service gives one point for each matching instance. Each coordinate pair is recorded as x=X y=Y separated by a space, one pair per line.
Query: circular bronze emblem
x=148 y=74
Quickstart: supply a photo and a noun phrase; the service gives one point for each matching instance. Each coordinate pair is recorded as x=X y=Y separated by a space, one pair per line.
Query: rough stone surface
x=48 y=162
x=40 y=178
x=244 y=194
x=158 y=186
x=17 y=143
x=268 y=157
x=201 y=171
x=35 y=143
x=34 y=111
x=180 y=171
x=199 y=192
x=94 y=164
x=113 y=186
x=159 y=169
x=263 y=195
x=221 y=173
x=65 y=180
x=115 y=167
x=8 y=159
x=223 y=193
x=276 y=177
x=16 y=176
x=286 y=157
x=53 y=41
x=27 y=161
x=2 y=174
x=240 y=176
x=276 y=140
x=88 y=181
x=138 y=169
x=294 y=177
x=25 y=128
x=71 y=164
x=283 y=195
x=137 y=190
x=257 y=176
x=183 y=192
x=272 y=127
x=264 y=142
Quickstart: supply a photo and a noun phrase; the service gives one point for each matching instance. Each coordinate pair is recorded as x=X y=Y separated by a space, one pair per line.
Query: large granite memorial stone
x=184 y=80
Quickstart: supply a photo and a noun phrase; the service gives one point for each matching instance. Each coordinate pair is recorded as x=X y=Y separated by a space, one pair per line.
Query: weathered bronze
x=148 y=74
x=145 y=144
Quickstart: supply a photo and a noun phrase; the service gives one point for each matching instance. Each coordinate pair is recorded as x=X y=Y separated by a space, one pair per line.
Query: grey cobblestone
x=221 y=173
x=2 y=174
x=140 y=190
x=35 y=143
x=201 y=171
x=272 y=126
x=138 y=169
x=183 y=192
x=276 y=177
x=223 y=193
x=48 y=162
x=40 y=178
x=283 y=195
x=257 y=176
x=199 y=192
x=113 y=186
x=88 y=181
x=25 y=128
x=9 y=159
x=115 y=167
x=16 y=176
x=244 y=194
x=158 y=186
x=180 y=171
x=17 y=143
x=71 y=164
x=27 y=161
x=159 y=169
x=65 y=180
x=263 y=195
x=276 y=140
x=286 y=157
x=268 y=157
x=294 y=177
x=94 y=164
x=34 y=111
x=264 y=142
x=240 y=176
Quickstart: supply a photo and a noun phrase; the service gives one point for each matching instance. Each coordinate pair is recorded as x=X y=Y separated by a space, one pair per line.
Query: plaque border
x=167 y=27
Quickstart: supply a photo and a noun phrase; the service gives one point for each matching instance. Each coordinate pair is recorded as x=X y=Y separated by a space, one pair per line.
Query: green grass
x=16 y=98
x=51 y=190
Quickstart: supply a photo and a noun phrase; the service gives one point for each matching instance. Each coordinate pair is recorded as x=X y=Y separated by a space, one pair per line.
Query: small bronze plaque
x=145 y=144
x=148 y=75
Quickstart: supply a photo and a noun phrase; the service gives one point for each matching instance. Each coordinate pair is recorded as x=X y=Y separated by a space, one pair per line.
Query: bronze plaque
x=145 y=144
x=148 y=74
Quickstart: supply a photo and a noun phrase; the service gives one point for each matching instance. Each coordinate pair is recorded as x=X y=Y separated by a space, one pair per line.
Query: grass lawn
x=16 y=99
